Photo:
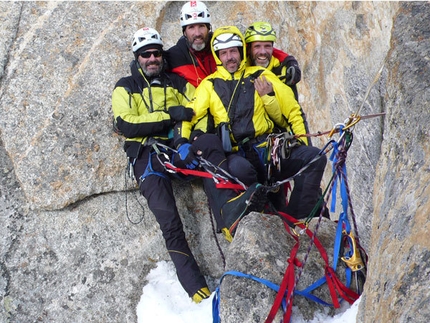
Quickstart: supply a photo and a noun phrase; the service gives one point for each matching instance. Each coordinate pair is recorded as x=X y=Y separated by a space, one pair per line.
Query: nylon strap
x=333 y=282
x=220 y=183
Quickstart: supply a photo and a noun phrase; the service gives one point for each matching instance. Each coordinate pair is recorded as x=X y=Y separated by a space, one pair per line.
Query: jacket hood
x=228 y=30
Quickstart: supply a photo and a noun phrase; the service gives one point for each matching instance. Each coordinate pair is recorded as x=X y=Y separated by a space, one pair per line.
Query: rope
x=211 y=216
x=322 y=152
x=126 y=201
x=375 y=79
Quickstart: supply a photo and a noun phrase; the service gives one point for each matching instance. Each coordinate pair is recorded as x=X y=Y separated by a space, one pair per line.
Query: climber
x=146 y=106
x=141 y=106
x=191 y=57
x=247 y=102
x=259 y=38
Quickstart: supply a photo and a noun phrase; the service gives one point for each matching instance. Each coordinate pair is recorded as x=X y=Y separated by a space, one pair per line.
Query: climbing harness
x=149 y=169
x=221 y=177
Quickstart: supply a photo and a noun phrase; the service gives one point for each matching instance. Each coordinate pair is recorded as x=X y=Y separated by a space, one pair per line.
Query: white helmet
x=195 y=12
x=146 y=36
x=227 y=40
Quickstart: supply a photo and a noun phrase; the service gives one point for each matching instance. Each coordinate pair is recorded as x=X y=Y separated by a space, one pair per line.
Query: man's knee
x=209 y=147
x=242 y=169
x=208 y=142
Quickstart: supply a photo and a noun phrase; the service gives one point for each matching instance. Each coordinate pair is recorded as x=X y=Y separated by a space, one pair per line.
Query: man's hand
x=262 y=86
x=181 y=113
x=186 y=154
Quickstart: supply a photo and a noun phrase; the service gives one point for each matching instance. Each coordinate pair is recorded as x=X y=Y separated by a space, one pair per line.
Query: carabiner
x=337 y=127
x=354 y=262
x=298 y=231
x=352 y=121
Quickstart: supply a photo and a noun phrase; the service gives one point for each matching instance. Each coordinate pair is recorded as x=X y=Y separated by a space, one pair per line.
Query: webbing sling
x=217 y=296
x=343 y=223
x=333 y=282
x=220 y=182
x=286 y=290
x=268 y=283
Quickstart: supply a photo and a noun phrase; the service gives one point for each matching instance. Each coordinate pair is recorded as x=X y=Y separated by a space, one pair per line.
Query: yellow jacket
x=232 y=99
x=140 y=106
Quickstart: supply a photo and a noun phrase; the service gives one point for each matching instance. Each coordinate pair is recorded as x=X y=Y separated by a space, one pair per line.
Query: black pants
x=157 y=189
x=209 y=147
x=306 y=190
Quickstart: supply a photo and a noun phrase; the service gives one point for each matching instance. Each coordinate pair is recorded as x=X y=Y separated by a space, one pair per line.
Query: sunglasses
x=156 y=53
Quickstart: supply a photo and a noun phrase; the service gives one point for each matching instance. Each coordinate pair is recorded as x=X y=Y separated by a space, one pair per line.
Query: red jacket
x=192 y=65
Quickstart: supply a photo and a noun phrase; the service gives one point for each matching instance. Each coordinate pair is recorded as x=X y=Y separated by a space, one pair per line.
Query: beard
x=257 y=62
x=233 y=68
x=198 y=47
x=152 y=72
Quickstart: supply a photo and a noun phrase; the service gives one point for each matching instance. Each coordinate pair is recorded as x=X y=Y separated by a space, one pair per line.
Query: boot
x=201 y=294
x=253 y=199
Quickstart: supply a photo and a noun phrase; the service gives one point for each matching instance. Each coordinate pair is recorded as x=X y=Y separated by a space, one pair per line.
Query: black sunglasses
x=156 y=53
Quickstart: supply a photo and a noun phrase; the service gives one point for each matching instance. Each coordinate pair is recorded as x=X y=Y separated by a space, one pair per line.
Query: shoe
x=227 y=235
x=201 y=294
x=253 y=199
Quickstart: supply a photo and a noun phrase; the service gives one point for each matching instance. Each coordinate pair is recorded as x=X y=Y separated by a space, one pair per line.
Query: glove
x=181 y=113
x=187 y=156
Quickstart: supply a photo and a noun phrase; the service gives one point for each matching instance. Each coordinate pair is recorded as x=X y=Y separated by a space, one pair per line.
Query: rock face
x=400 y=268
x=67 y=246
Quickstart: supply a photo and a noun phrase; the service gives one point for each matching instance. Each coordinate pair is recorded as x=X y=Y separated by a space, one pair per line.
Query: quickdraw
x=279 y=147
